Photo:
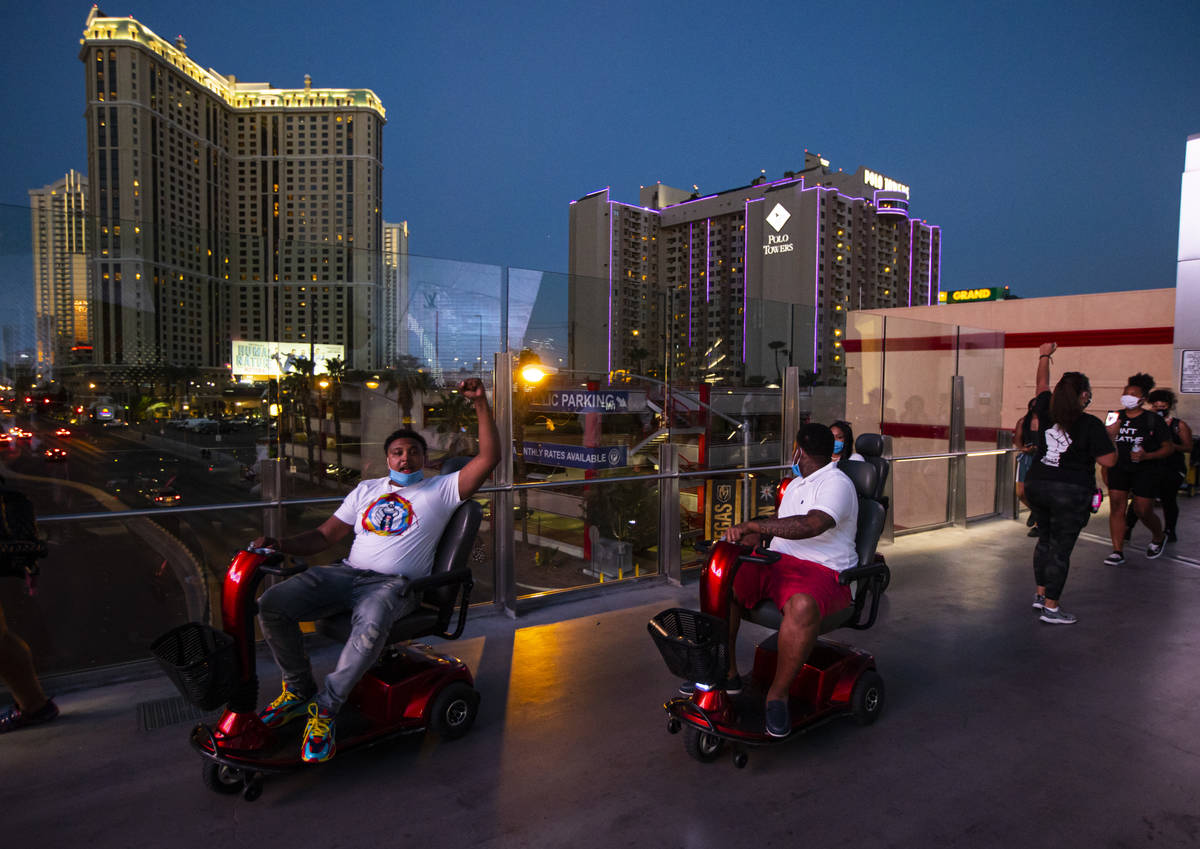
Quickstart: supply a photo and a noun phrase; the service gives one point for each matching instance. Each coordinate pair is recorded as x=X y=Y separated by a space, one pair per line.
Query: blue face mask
x=838 y=445
x=406 y=478
x=796 y=471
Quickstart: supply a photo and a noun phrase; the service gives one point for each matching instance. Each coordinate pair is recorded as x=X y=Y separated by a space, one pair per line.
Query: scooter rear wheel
x=222 y=779
x=453 y=711
x=701 y=745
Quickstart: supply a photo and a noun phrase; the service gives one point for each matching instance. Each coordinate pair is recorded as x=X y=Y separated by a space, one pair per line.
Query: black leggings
x=1061 y=510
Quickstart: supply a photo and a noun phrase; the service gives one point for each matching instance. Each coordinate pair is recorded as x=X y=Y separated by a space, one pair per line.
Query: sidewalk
x=998 y=731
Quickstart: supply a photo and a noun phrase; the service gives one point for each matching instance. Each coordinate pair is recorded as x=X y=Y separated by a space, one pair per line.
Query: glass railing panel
x=919 y=493
x=981 y=365
x=571 y=537
x=864 y=401
x=109 y=587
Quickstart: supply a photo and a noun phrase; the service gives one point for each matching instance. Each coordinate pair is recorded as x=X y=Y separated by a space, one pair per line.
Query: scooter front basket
x=200 y=661
x=694 y=644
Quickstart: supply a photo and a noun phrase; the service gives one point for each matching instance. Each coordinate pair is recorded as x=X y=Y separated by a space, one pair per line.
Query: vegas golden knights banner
x=723 y=504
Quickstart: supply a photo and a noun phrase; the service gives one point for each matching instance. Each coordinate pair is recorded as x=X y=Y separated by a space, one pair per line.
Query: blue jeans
x=1061 y=511
x=376 y=601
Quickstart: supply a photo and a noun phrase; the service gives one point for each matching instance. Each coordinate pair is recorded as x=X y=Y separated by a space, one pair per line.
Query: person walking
x=1025 y=440
x=1060 y=482
x=1142 y=439
x=31 y=704
x=1174 y=467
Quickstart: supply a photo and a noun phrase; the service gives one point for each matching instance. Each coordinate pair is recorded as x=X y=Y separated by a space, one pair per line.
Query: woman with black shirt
x=1142 y=440
x=1061 y=480
x=1174 y=472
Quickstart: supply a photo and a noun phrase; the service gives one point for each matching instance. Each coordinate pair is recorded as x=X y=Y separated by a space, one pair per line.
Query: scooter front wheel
x=222 y=779
x=701 y=745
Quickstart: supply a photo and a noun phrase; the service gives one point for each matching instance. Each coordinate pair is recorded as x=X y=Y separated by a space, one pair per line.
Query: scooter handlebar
x=274 y=563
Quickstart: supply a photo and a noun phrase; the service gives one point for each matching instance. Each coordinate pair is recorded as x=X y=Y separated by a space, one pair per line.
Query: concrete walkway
x=998 y=731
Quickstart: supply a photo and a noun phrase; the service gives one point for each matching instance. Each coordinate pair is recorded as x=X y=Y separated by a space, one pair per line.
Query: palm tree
x=407 y=378
x=777 y=347
x=299 y=382
x=457 y=415
x=336 y=367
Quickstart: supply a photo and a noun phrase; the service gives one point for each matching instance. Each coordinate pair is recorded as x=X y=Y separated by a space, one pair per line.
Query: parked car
x=203 y=425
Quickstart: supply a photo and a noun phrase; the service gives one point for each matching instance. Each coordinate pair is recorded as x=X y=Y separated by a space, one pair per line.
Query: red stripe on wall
x=920 y=431
x=1093 y=338
x=991 y=340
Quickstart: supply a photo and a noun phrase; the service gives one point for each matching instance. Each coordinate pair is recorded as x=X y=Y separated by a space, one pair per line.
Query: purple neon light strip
x=689 y=200
x=939 y=260
x=690 y=284
x=611 y=224
x=746 y=274
x=707 y=260
x=912 y=231
x=816 y=280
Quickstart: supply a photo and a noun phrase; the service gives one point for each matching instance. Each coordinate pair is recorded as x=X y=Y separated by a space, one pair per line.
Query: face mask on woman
x=838 y=445
x=1129 y=402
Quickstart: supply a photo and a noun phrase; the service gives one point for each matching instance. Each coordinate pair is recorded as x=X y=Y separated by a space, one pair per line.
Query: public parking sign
x=597 y=401
x=577 y=456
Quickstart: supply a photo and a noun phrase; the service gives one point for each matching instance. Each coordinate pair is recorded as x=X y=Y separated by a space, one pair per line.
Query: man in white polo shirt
x=814 y=532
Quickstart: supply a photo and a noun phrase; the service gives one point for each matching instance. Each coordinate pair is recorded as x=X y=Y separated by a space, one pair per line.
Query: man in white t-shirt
x=814 y=532
x=397 y=522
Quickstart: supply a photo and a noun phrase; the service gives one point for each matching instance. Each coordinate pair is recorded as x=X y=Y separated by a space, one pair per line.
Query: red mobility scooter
x=411 y=687
x=837 y=679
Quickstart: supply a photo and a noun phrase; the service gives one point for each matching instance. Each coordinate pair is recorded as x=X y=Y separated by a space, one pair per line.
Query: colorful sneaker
x=318 y=736
x=1155 y=549
x=284 y=709
x=1114 y=559
x=1057 y=616
x=14 y=717
x=1039 y=601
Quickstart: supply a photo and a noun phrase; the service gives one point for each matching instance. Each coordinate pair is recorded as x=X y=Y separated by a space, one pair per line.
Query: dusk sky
x=1047 y=139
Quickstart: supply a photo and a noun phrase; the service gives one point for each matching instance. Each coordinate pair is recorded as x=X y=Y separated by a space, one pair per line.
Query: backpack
x=20 y=545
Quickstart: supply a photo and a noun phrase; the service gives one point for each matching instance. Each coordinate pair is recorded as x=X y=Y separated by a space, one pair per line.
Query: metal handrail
x=487 y=490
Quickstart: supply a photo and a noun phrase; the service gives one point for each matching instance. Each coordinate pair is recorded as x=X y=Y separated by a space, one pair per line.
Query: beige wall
x=1106 y=363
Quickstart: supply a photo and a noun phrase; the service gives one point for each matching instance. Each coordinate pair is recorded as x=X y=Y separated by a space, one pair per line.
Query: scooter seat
x=768 y=615
x=420 y=622
x=439 y=591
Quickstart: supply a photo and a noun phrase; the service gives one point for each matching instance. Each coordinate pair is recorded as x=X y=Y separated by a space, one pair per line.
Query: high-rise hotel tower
x=61 y=293
x=735 y=285
x=226 y=210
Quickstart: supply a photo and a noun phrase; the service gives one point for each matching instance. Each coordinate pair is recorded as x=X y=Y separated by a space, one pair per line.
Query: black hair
x=848 y=432
x=1142 y=381
x=405 y=433
x=1066 y=404
x=816 y=440
x=1162 y=395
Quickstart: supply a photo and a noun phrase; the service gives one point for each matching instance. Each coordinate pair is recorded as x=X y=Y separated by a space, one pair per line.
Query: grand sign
x=962 y=296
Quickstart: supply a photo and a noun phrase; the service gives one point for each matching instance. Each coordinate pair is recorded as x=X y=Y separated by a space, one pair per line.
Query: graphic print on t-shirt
x=1057 y=443
x=388 y=515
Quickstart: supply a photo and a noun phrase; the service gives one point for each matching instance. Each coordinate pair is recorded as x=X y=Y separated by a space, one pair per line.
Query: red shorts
x=787 y=576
